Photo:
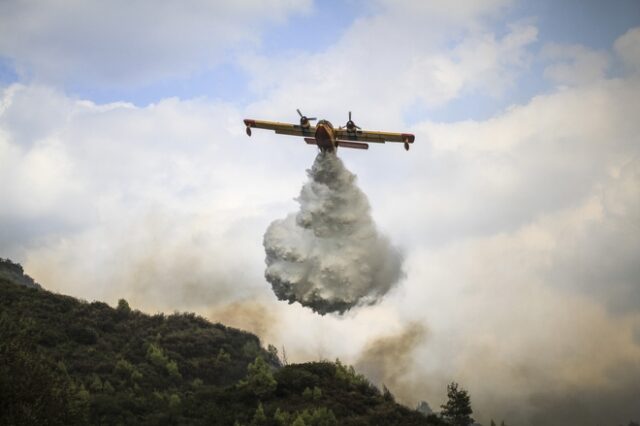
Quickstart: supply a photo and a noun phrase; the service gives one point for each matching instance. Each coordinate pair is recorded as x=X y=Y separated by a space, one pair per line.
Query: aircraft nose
x=321 y=132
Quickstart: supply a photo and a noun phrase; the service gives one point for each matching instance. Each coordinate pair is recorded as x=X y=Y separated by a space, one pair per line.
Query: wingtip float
x=326 y=137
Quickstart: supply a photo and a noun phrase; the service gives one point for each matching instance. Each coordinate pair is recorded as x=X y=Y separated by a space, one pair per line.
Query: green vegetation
x=69 y=362
x=457 y=410
x=13 y=272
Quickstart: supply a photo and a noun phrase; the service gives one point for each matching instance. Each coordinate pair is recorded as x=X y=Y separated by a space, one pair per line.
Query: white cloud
x=384 y=64
x=107 y=182
x=628 y=48
x=479 y=63
x=574 y=64
x=457 y=12
x=499 y=174
x=125 y=43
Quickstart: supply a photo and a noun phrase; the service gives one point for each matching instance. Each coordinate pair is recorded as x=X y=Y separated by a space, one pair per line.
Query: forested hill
x=13 y=272
x=66 y=361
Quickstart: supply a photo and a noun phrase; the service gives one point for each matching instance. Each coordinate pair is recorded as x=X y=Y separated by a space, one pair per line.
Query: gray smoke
x=329 y=256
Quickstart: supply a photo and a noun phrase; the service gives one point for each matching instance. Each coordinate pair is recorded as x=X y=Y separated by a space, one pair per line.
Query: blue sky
x=590 y=23
x=126 y=173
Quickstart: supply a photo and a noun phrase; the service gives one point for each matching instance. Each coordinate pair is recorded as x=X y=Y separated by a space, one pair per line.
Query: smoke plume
x=329 y=256
x=389 y=361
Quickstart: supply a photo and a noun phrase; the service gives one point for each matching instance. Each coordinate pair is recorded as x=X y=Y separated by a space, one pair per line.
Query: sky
x=125 y=173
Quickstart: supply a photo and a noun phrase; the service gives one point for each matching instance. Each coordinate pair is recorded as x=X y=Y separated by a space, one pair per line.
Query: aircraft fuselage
x=325 y=136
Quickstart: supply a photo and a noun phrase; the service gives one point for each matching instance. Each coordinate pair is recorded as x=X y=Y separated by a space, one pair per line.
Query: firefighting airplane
x=326 y=137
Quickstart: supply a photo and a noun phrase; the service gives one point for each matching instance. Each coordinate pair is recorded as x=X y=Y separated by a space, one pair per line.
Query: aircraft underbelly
x=324 y=139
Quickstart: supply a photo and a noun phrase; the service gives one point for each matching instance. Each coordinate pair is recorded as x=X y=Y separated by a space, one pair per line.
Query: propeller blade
x=312 y=118
x=349 y=115
x=299 y=113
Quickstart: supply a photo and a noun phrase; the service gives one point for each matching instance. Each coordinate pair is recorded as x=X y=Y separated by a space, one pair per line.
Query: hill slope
x=66 y=361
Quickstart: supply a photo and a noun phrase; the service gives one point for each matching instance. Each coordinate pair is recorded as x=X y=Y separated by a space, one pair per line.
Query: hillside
x=66 y=361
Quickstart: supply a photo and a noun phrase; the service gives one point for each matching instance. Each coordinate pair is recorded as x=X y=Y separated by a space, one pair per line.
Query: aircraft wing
x=281 y=128
x=374 y=136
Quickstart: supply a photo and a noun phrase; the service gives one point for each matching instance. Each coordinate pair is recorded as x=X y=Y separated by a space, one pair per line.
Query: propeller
x=304 y=120
x=351 y=126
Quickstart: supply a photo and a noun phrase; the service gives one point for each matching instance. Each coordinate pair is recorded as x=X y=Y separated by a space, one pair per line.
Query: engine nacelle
x=305 y=121
x=351 y=126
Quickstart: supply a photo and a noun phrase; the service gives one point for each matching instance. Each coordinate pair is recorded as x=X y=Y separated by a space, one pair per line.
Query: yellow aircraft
x=326 y=137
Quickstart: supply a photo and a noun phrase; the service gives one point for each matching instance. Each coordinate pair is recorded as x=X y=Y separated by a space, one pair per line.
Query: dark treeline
x=67 y=362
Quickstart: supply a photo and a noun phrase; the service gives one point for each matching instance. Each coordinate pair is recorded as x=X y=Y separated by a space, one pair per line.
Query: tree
x=157 y=357
x=273 y=352
x=123 y=368
x=259 y=418
x=123 y=308
x=387 y=395
x=307 y=393
x=96 y=384
x=174 y=403
x=298 y=422
x=107 y=387
x=281 y=417
x=33 y=393
x=424 y=408
x=321 y=417
x=317 y=393
x=259 y=378
x=457 y=411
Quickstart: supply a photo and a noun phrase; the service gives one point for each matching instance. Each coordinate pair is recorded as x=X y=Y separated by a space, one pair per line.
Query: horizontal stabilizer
x=356 y=145
x=310 y=141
